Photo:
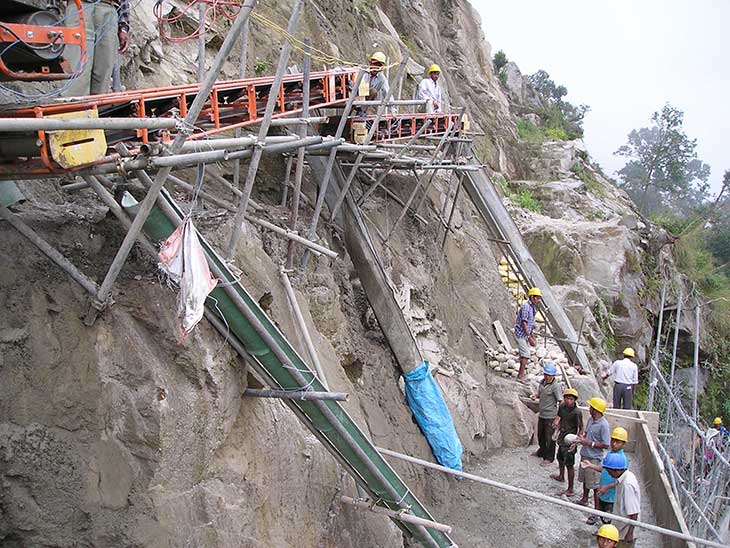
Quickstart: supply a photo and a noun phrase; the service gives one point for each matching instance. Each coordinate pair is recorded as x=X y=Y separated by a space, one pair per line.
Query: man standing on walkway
x=107 y=35
x=595 y=439
x=524 y=324
x=628 y=496
x=625 y=378
x=430 y=90
x=568 y=421
x=549 y=395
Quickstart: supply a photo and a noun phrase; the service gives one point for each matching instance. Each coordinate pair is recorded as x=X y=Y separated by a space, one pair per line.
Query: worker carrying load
x=569 y=424
x=430 y=90
x=107 y=35
x=374 y=83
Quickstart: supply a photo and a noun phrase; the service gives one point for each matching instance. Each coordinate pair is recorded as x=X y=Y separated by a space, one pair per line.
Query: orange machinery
x=33 y=41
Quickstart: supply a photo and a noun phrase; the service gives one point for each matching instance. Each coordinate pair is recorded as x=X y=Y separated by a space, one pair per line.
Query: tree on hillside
x=718 y=237
x=663 y=170
x=500 y=60
x=559 y=114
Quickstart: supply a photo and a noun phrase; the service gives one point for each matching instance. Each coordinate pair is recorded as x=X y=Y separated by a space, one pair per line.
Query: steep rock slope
x=117 y=435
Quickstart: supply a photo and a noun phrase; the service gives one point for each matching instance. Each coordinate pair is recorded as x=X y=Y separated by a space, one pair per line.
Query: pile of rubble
x=507 y=363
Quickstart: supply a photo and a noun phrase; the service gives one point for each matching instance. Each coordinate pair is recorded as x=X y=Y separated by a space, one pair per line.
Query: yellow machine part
x=77 y=147
x=364 y=89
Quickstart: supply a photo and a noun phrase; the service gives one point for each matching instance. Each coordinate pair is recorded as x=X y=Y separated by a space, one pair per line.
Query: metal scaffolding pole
x=294 y=211
x=48 y=250
x=253 y=167
x=324 y=183
x=149 y=200
x=652 y=377
x=373 y=128
x=677 y=318
x=695 y=386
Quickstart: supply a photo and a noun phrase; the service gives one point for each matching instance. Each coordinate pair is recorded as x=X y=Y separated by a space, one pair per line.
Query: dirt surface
x=487 y=517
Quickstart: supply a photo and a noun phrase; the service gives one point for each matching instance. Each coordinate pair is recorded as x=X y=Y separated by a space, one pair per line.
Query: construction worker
x=724 y=432
x=568 y=421
x=430 y=90
x=107 y=35
x=524 y=324
x=375 y=77
x=607 y=489
x=549 y=395
x=711 y=441
x=625 y=378
x=607 y=536
x=594 y=440
x=628 y=496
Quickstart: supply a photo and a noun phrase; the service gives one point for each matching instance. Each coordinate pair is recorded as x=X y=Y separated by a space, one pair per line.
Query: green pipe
x=288 y=371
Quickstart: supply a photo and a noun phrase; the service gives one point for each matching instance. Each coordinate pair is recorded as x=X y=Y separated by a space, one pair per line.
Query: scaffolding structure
x=141 y=137
x=697 y=460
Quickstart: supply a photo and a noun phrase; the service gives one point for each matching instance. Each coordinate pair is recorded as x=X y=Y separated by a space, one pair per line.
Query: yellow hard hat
x=628 y=351
x=379 y=56
x=620 y=434
x=571 y=392
x=608 y=531
x=534 y=291
x=717 y=421
x=599 y=404
x=434 y=68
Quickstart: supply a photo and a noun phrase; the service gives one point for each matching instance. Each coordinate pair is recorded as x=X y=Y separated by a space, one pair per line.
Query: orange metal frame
x=230 y=105
x=403 y=126
x=40 y=35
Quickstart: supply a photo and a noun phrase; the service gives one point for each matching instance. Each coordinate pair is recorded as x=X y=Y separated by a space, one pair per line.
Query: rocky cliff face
x=117 y=435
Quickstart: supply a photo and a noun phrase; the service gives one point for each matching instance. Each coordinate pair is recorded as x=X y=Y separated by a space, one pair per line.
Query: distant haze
x=626 y=59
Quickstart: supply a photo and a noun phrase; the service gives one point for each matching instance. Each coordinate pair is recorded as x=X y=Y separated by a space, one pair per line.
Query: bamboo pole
x=253 y=166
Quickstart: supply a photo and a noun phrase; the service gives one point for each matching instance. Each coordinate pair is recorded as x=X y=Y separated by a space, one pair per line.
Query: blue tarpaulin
x=432 y=415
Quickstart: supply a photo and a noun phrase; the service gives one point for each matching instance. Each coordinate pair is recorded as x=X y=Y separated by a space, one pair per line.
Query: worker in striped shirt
x=107 y=35
x=524 y=325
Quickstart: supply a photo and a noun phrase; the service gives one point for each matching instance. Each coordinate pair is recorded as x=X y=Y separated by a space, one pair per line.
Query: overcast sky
x=625 y=59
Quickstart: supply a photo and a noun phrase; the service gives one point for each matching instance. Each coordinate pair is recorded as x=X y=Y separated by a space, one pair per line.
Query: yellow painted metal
x=364 y=89
x=77 y=147
x=465 y=122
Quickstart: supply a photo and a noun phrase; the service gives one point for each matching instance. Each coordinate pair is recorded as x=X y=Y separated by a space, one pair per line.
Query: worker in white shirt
x=430 y=90
x=625 y=377
x=628 y=496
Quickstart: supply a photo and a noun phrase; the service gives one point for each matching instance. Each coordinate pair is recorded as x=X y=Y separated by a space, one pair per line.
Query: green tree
x=500 y=60
x=718 y=237
x=663 y=170
x=558 y=115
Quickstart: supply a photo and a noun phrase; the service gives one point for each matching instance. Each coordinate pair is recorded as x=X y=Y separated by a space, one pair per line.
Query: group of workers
x=603 y=464
x=429 y=89
x=604 y=473
x=624 y=371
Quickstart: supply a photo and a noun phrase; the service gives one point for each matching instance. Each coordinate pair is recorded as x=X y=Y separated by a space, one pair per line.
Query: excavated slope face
x=117 y=435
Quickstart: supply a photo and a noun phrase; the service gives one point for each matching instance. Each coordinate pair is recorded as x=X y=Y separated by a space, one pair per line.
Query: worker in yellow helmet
x=607 y=489
x=524 y=324
x=430 y=90
x=569 y=424
x=376 y=80
x=607 y=536
x=625 y=378
x=595 y=439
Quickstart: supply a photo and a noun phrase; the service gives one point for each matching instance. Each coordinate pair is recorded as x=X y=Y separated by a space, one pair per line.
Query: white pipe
x=402 y=516
x=552 y=500
x=303 y=328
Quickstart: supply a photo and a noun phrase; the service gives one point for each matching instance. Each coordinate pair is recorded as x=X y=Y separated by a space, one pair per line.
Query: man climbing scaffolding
x=524 y=325
x=107 y=35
